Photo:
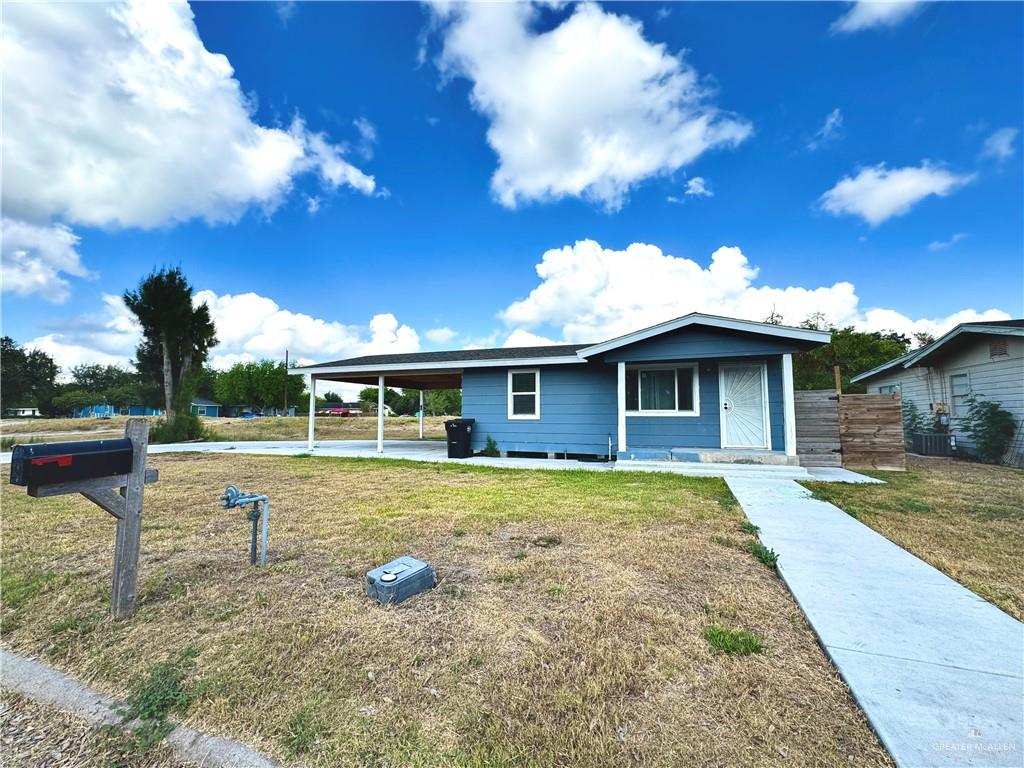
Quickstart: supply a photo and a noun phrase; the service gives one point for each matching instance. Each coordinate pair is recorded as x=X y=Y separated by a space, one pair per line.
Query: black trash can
x=460 y=438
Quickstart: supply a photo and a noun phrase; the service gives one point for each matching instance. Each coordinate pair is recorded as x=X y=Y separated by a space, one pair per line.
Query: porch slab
x=710 y=456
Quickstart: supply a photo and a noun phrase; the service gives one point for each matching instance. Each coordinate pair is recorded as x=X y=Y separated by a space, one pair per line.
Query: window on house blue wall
x=524 y=394
x=662 y=390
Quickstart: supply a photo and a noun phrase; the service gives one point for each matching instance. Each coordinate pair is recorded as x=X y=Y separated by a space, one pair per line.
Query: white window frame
x=536 y=394
x=889 y=389
x=675 y=368
x=200 y=410
x=953 y=396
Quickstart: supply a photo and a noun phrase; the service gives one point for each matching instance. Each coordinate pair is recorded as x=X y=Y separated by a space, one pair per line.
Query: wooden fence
x=853 y=431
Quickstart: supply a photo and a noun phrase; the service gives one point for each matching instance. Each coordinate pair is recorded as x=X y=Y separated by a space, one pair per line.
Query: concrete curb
x=46 y=685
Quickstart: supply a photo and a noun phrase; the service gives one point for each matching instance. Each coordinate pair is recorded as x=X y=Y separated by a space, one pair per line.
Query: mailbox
x=48 y=463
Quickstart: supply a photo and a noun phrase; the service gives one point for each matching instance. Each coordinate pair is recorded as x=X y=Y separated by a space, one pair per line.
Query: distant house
x=106 y=410
x=340 y=409
x=23 y=410
x=985 y=359
x=203 y=407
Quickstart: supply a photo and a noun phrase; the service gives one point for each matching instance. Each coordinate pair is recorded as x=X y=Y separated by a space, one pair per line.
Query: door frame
x=763 y=365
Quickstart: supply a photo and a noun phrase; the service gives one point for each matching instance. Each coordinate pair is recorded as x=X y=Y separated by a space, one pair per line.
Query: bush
x=491 y=449
x=990 y=427
x=185 y=426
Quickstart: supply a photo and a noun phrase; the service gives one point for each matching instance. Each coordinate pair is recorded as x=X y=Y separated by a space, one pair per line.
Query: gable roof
x=557 y=354
x=920 y=355
x=203 y=401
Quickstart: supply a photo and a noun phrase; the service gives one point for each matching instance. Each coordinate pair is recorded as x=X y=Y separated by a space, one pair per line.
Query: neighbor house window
x=524 y=394
x=662 y=390
x=201 y=410
x=959 y=389
x=889 y=389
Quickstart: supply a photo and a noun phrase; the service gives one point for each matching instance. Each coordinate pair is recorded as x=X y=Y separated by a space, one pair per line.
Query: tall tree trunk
x=168 y=378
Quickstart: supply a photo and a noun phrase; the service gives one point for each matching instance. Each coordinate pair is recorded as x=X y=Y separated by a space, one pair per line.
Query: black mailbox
x=47 y=463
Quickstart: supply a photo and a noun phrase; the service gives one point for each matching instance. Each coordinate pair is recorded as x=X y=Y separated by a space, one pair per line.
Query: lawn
x=581 y=619
x=966 y=519
x=264 y=428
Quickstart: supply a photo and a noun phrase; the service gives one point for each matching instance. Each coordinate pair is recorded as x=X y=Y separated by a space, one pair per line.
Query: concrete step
x=712 y=469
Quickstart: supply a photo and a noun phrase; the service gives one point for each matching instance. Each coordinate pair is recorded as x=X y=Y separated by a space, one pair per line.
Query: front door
x=743 y=390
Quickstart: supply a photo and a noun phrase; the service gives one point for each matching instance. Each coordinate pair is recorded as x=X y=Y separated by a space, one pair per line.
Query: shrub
x=767 y=556
x=184 y=426
x=491 y=449
x=989 y=426
x=735 y=641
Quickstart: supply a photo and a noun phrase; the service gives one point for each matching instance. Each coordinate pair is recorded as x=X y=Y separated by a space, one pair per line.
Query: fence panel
x=871 y=432
x=817 y=428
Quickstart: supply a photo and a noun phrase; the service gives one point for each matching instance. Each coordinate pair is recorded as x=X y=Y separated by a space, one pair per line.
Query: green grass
x=303 y=730
x=767 y=556
x=154 y=696
x=737 y=642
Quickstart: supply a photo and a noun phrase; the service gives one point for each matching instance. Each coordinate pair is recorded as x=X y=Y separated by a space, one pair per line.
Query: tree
x=923 y=338
x=181 y=332
x=259 y=384
x=78 y=398
x=29 y=376
x=99 y=378
x=853 y=351
x=332 y=397
x=443 y=402
x=990 y=426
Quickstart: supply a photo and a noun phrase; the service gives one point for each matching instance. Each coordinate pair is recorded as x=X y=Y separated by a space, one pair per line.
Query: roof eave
x=450 y=366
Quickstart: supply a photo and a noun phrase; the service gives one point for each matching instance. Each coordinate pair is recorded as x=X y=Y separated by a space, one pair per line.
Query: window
x=959 y=389
x=998 y=348
x=662 y=391
x=889 y=389
x=200 y=410
x=524 y=394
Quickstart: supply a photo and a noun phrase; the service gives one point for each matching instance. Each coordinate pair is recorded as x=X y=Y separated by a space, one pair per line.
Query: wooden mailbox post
x=124 y=504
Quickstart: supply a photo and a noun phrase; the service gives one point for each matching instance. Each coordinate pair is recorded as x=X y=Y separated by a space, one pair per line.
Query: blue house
x=106 y=410
x=679 y=390
x=203 y=407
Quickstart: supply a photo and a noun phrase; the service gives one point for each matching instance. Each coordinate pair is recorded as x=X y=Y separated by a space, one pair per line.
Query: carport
x=381 y=371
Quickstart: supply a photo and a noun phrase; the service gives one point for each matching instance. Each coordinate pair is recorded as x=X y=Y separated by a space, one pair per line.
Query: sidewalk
x=938 y=671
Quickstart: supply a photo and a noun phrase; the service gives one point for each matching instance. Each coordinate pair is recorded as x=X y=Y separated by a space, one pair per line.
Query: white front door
x=743 y=391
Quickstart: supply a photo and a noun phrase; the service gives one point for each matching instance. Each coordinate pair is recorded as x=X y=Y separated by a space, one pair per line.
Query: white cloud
x=443 y=335
x=116 y=115
x=866 y=14
x=939 y=245
x=33 y=259
x=830 y=131
x=522 y=338
x=285 y=10
x=1000 y=145
x=367 y=137
x=589 y=293
x=558 y=135
x=878 y=193
x=698 y=187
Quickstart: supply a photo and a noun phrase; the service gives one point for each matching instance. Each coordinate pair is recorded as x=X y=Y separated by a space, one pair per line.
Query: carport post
x=312 y=411
x=789 y=404
x=421 y=414
x=380 y=414
x=622 y=406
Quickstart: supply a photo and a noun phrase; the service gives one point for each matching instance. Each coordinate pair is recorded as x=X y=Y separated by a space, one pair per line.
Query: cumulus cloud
x=443 y=335
x=116 y=115
x=829 y=132
x=249 y=327
x=1000 y=145
x=33 y=259
x=523 y=338
x=589 y=293
x=865 y=14
x=697 y=187
x=878 y=193
x=941 y=245
x=557 y=135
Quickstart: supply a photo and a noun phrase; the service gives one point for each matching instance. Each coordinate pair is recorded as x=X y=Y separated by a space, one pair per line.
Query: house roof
x=927 y=352
x=203 y=401
x=442 y=364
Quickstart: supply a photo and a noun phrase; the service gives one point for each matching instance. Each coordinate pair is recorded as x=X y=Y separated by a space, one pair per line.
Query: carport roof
x=455 y=356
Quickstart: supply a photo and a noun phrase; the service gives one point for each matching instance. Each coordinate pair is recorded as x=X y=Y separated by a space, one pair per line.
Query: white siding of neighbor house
x=991 y=378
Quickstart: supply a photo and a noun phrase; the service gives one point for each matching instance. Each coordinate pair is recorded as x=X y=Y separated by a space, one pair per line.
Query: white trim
x=311 y=382
x=421 y=414
x=440 y=367
x=622 y=405
x=952 y=410
x=788 y=405
x=764 y=405
x=695 y=367
x=536 y=394
x=380 y=414
x=695 y=318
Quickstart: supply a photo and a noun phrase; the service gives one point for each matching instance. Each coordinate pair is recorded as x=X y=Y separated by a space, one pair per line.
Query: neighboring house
x=696 y=383
x=339 y=409
x=106 y=410
x=23 y=410
x=203 y=407
x=985 y=358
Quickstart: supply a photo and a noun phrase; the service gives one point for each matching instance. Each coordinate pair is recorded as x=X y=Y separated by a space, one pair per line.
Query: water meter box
x=398 y=580
x=47 y=463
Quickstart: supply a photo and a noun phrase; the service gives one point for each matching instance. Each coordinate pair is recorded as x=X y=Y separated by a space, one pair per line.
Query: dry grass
x=966 y=519
x=39 y=736
x=327 y=428
x=567 y=628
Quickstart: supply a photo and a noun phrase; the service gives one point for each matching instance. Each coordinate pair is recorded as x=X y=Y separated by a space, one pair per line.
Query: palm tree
x=174 y=331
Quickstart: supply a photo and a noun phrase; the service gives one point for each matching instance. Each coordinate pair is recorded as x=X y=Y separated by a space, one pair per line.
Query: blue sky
x=469 y=122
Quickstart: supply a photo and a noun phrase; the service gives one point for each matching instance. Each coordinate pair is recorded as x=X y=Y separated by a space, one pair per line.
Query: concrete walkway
x=939 y=671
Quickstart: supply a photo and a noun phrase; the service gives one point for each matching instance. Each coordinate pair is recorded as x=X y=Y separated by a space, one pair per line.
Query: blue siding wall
x=696 y=342
x=579 y=411
x=577 y=408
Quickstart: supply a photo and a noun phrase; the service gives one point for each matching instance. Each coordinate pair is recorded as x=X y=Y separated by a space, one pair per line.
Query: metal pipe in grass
x=232 y=498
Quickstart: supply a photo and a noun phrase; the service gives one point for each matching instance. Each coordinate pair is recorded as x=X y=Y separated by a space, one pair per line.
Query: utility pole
x=286 y=382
